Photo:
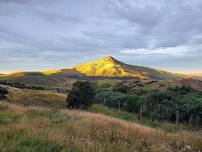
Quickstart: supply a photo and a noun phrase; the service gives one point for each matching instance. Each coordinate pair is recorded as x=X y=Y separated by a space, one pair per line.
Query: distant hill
x=105 y=68
x=110 y=67
x=193 y=83
x=196 y=76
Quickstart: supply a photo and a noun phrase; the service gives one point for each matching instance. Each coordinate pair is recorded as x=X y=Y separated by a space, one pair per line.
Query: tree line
x=176 y=104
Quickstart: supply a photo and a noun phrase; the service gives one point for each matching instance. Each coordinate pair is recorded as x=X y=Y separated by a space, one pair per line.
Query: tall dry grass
x=36 y=129
x=42 y=98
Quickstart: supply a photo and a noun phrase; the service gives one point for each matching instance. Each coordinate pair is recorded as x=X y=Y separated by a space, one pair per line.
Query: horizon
x=43 y=35
x=190 y=73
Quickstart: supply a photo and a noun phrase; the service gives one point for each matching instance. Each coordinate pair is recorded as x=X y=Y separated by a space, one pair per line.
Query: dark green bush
x=176 y=104
x=111 y=98
x=3 y=93
x=120 y=87
x=179 y=104
x=81 y=96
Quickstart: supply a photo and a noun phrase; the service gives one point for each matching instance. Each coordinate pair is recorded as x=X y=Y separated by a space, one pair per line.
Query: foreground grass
x=98 y=108
x=34 y=129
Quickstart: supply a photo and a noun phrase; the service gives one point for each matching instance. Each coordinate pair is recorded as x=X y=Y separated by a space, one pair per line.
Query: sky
x=51 y=34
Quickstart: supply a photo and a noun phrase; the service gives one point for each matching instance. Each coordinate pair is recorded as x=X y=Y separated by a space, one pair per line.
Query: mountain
x=105 y=68
x=62 y=77
x=110 y=67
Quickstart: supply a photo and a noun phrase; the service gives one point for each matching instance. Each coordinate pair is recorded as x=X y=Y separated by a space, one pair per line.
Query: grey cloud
x=13 y=1
x=68 y=30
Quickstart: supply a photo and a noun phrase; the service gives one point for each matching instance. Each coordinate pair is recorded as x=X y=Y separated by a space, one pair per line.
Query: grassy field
x=42 y=98
x=37 y=121
x=34 y=129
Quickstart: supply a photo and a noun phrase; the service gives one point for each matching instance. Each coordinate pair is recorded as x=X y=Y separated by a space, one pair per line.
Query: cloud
x=67 y=32
x=179 y=51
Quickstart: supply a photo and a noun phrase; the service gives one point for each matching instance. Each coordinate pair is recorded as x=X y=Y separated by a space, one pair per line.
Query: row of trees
x=178 y=104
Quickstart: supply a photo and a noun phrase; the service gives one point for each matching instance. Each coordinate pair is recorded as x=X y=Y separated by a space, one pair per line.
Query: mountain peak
x=110 y=67
x=109 y=59
x=104 y=67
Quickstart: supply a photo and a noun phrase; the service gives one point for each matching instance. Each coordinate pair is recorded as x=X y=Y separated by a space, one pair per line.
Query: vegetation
x=35 y=87
x=3 y=93
x=179 y=104
x=31 y=129
x=42 y=129
x=28 y=97
x=136 y=104
x=81 y=96
x=111 y=98
x=114 y=112
x=120 y=87
x=124 y=115
x=174 y=105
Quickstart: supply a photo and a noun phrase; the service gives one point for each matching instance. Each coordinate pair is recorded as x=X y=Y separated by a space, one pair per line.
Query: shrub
x=111 y=98
x=81 y=96
x=3 y=93
x=136 y=104
x=132 y=103
x=120 y=87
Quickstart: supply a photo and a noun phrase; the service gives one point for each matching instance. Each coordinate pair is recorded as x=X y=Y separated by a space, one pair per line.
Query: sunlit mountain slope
x=110 y=67
x=104 y=68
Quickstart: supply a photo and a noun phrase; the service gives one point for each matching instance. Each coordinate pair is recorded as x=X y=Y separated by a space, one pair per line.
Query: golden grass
x=87 y=132
x=41 y=98
x=49 y=72
x=108 y=67
x=14 y=74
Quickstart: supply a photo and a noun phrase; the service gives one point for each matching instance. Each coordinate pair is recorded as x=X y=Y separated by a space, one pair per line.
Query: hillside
x=110 y=67
x=29 y=97
x=37 y=120
x=63 y=78
x=42 y=129
x=196 y=76
x=105 y=68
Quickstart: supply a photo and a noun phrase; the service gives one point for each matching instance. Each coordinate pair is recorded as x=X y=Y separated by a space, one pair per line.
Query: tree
x=193 y=107
x=161 y=105
x=3 y=93
x=178 y=101
x=170 y=104
x=136 y=104
x=120 y=87
x=81 y=96
x=132 y=103
x=111 y=98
